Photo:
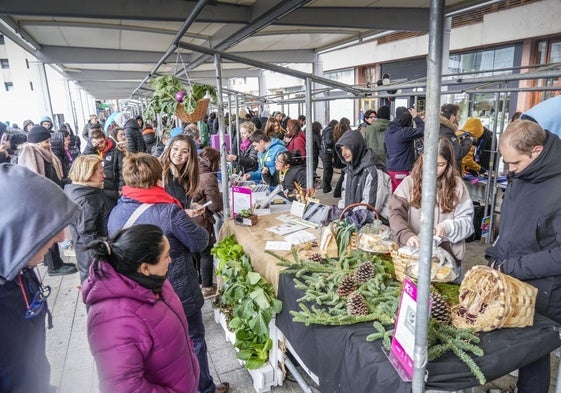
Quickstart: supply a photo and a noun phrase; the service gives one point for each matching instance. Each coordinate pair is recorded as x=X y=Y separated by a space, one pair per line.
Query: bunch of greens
x=170 y=92
x=249 y=300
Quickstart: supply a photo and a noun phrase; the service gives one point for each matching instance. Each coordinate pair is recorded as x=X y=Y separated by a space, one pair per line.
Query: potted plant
x=171 y=97
x=246 y=217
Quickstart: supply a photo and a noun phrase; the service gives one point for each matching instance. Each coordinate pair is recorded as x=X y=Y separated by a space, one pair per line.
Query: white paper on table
x=274 y=245
x=284 y=229
x=300 y=237
x=286 y=218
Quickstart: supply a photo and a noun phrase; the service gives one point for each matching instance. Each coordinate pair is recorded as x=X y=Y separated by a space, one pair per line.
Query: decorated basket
x=196 y=115
x=492 y=300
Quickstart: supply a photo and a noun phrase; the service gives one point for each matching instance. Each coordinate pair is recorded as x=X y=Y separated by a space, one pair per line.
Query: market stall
x=343 y=360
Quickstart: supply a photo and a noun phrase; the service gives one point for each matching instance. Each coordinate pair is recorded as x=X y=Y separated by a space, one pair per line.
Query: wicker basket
x=400 y=261
x=354 y=236
x=492 y=300
x=196 y=115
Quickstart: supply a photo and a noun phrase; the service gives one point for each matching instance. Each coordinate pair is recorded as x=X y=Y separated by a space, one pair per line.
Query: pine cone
x=316 y=257
x=364 y=272
x=356 y=304
x=347 y=286
x=440 y=310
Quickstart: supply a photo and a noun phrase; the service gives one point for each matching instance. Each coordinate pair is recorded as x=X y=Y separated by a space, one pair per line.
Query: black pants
x=52 y=259
x=534 y=378
x=339 y=186
x=327 y=160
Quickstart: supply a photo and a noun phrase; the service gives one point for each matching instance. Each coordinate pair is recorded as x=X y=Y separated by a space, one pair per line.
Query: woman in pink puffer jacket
x=137 y=329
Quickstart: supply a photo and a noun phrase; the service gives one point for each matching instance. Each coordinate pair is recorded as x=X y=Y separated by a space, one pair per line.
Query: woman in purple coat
x=137 y=330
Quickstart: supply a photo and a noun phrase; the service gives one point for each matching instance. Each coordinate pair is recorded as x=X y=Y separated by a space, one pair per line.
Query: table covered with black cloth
x=345 y=362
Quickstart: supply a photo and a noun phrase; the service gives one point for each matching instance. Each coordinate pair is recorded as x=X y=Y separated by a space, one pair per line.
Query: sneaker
x=63 y=270
x=209 y=292
x=223 y=387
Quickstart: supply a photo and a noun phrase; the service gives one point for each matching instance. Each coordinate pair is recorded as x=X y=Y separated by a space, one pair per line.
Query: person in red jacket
x=137 y=331
x=295 y=139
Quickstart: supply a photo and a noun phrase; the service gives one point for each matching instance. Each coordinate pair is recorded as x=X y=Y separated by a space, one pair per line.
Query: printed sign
x=403 y=342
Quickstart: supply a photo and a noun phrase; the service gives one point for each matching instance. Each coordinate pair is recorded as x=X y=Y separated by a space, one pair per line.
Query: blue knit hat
x=175 y=132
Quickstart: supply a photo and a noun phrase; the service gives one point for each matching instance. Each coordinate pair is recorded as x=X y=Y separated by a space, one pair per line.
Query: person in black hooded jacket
x=365 y=180
x=135 y=140
x=529 y=245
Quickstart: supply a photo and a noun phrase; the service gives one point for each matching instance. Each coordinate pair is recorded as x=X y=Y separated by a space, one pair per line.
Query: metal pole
x=230 y=119
x=434 y=74
x=220 y=117
x=43 y=73
x=309 y=137
x=238 y=123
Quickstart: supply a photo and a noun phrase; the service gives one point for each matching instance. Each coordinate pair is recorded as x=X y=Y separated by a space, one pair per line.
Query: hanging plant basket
x=196 y=115
x=188 y=102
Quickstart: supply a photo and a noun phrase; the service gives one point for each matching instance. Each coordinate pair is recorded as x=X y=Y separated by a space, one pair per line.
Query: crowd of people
x=143 y=209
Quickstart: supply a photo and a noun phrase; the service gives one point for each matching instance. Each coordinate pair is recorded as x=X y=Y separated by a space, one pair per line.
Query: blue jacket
x=29 y=222
x=185 y=237
x=267 y=158
x=399 y=144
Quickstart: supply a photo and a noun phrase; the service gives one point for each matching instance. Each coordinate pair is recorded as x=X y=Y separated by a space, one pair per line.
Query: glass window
x=484 y=60
x=9 y=86
x=555 y=56
x=2 y=42
x=4 y=63
x=31 y=85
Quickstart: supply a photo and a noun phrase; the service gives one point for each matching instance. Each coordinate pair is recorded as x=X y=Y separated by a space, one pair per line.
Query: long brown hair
x=189 y=172
x=270 y=129
x=340 y=128
x=446 y=196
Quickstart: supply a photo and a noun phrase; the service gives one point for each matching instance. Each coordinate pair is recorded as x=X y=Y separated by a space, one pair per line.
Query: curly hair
x=446 y=197
x=188 y=174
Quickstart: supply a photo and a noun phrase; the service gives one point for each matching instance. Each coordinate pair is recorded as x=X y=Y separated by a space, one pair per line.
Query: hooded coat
x=135 y=140
x=374 y=137
x=477 y=159
x=185 y=237
x=529 y=245
x=546 y=114
x=363 y=181
x=90 y=224
x=112 y=167
x=140 y=341
x=26 y=228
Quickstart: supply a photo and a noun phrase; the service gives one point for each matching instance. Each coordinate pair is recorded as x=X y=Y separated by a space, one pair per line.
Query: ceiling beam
x=170 y=10
x=280 y=56
x=272 y=67
x=409 y=19
x=65 y=54
x=109 y=26
x=112 y=75
x=264 y=14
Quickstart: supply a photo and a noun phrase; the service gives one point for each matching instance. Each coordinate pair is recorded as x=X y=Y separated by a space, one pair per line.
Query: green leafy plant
x=249 y=300
x=245 y=213
x=170 y=92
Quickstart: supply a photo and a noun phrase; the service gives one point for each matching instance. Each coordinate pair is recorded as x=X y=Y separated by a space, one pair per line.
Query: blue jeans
x=197 y=335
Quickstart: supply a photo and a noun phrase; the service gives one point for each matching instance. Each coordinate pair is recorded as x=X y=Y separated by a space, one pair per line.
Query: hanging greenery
x=169 y=92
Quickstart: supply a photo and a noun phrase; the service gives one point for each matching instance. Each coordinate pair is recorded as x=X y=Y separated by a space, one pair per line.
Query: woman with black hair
x=290 y=170
x=137 y=331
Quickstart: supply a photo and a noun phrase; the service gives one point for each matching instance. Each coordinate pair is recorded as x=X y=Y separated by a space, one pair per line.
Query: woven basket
x=196 y=115
x=492 y=300
x=354 y=236
x=400 y=262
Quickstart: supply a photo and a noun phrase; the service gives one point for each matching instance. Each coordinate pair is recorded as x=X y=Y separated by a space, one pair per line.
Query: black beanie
x=38 y=134
x=403 y=116
x=384 y=112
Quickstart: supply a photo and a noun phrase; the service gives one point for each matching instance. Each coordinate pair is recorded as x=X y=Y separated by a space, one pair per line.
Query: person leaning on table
x=267 y=151
x=29 y=229
x=529 y=245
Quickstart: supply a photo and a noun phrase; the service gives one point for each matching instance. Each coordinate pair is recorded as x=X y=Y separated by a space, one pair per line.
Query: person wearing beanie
x=175 y=132
x=476 y=161
x=27 y=124
x=28 y=230
x=374 y=133
x=46 y=122
x=399 y=139
x=37 y=156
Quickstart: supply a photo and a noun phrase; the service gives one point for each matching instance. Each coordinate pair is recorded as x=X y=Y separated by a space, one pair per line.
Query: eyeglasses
x=38 y=302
